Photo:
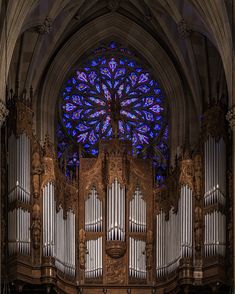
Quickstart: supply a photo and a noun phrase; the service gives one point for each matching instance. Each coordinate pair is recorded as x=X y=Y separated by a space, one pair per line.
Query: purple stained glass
x=112 y=80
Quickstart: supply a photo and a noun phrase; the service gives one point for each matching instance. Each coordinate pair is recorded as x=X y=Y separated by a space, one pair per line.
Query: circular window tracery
x=112 y=95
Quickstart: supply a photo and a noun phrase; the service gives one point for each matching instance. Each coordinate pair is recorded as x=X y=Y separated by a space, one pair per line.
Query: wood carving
x=149 y=250
x=198 y=228
x=24 y=121
x=36 y=169
x=198 y=176
x=187 y=171
x=115 y=271
x=48 y=162
x=82 y=249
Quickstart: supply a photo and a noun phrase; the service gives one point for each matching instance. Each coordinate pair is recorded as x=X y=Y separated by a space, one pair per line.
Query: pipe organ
x=93 y=212
x=137 y=213
x=48 y=220
x=65 y=242
x=94 y=259
x=19 y=183
x=215 y=196
x=116 y=212
x=108 y=225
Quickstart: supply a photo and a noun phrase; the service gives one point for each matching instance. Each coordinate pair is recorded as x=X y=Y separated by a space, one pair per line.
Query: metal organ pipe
x=93 y=212
x=19 y=174
x=116 y=212
x=48 y=220
x=215 y=193
x=94 y=259
x=137 y=213
x=137 y=258
x=65 y=242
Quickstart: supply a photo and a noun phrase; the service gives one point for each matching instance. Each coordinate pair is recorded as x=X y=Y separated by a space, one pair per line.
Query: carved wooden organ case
x=108 y=226
x=115 y=205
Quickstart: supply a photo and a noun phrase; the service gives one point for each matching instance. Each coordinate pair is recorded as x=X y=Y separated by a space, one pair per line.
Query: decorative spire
x=48 y=150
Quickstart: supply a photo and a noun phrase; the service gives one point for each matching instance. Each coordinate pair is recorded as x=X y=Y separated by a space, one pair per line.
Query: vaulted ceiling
x=187 y=42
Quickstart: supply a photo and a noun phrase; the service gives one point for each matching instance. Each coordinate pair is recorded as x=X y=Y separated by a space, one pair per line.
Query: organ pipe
x=174 y=236
x=137 y=258
x=93 y=212
x=19 y=231
x=137 y=213
x=19 y=190
x=116 y=212
x=215 y=193
x=94 y=259
x=65 y=242
x=48 y=220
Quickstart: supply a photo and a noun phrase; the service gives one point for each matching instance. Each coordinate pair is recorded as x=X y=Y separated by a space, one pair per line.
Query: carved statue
x=82 y=248
x=149 y=250
x=198 y=175
x=36 y=169
x=36 y=225
x=187 y=173
x=198 y=228
x=36 y=233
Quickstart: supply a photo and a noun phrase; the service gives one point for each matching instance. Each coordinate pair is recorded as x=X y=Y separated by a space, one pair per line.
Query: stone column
x=231 y=119
x=3 y=115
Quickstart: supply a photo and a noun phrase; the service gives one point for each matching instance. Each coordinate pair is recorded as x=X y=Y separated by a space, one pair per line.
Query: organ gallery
x=113 y=179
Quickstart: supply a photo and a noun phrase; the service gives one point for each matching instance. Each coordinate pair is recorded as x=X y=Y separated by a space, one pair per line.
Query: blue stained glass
x=128 y=101
x=92 y=138
x=81 y=76
x=133 y=78
x=77 y=99
x=156 y=108
x=143 y=129
x=68 y=125
x=76 y=114
x=120 y=72
x=97 y=88
x=97 y=101
x=87 y=103
x=149 y=116
x=82 y=137
x=143 y=78
x=92 y=76
x=144 y=89
x=82 y=87
x=157 y=91
x=112 y=64
x=69 y=107
x=105 y=71
x=82 y=127
x=148 y=101
x=109 y=83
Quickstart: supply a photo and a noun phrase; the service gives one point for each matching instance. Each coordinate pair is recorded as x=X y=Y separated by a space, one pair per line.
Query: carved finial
x=3 y=112
x=48 y=150
x=186 y=149
x=230 y=116
x=46 y=27
x=183 y=29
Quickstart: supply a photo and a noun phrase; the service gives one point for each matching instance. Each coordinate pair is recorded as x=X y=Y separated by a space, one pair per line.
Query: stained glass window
x=112 y=94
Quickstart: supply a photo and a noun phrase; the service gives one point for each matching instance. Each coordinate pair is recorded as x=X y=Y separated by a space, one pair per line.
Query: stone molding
x=230 y=116
x=3 y=113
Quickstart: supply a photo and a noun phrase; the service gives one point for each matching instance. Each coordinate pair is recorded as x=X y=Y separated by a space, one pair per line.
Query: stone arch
x=120 y=28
